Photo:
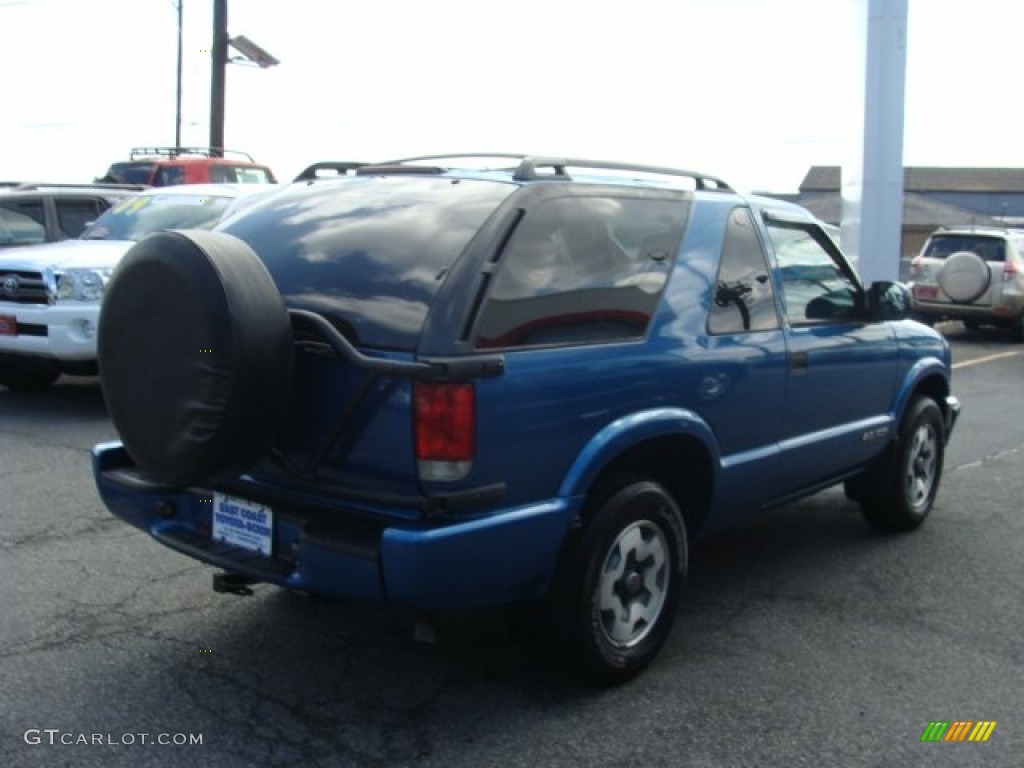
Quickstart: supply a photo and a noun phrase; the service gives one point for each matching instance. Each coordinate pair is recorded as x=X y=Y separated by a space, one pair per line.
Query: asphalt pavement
x=804 y=638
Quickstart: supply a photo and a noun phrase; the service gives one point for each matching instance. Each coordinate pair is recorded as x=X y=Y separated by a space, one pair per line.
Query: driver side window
x=815 y=288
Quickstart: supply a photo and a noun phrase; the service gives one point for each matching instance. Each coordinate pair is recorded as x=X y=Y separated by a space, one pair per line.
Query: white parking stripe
x=989 y=359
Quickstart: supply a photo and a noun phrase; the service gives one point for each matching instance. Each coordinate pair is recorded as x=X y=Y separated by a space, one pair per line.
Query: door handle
x=799 y=361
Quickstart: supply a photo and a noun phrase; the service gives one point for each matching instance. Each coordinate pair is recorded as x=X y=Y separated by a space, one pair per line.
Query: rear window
x=987 y=247
x=369 y=253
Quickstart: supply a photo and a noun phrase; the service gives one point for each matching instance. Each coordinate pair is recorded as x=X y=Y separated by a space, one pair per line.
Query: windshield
x=988 y=248
x=131 y=173
x=135 y=217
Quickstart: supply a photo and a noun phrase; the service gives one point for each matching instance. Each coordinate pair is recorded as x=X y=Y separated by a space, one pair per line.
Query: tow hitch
x=233 y=584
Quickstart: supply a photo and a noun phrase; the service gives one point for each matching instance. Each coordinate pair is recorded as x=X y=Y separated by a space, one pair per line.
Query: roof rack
x=334 y=168
x=140 y=152
x=529 y=165
x=31 y=186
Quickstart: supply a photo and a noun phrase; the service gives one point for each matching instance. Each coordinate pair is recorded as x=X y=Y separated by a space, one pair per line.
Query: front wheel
x=614 y=600
x=902 y=486
x=1017 y=329
x=26 y=377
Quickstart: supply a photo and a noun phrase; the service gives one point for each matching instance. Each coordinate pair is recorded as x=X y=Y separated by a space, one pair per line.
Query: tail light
x=1009 y=271
x=445 y=427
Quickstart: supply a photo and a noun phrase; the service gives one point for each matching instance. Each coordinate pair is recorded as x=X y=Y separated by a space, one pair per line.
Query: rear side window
x=988 y=248
x=22 y=222
x=239 y=174
x=582 y=270
x=74 y=213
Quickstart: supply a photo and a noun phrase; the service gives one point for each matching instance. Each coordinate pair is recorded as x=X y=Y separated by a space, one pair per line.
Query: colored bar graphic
x=983 y=730
x=959 y=730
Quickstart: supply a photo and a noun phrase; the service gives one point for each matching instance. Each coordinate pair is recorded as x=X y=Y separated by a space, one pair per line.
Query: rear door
x=841 y=368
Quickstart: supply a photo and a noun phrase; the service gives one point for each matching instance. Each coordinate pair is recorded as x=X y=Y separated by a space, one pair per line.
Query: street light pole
x=177 y=103
x=218 y=71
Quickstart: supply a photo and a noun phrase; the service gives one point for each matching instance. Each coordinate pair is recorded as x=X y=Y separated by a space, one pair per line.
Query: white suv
x=50 y=294
x=972 y=274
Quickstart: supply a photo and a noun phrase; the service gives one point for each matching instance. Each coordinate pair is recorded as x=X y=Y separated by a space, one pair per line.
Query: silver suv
x=972 y=274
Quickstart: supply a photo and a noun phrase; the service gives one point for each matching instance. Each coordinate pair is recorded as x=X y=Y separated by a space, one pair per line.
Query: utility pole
x=177 y=102
x=218 y=71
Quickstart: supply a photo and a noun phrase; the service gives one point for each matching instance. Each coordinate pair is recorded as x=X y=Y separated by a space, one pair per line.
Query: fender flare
x=627 y=431
x=927 y=367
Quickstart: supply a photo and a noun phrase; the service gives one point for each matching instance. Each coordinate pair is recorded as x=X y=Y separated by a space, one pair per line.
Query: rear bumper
x=1009 y=306
x=505 y=556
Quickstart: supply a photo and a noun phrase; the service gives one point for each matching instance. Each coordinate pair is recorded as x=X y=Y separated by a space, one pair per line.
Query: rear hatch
x=369 y=254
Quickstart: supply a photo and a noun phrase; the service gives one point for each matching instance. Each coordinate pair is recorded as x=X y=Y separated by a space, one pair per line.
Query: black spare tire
x=195 y=355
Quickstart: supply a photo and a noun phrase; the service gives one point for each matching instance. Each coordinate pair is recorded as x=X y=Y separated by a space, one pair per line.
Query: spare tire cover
x=964 y=276
x=195 y=355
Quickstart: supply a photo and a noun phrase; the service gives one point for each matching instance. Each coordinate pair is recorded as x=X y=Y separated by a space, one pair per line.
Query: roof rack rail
x=528 y=171
x=30 y=186
x=140 y=152
x=334 y=167
x=527 y=168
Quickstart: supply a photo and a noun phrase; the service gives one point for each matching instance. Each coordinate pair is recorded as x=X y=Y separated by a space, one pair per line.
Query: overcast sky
x=754 y=91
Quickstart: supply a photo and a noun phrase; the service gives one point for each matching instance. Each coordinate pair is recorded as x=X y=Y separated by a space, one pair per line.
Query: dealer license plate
x=242 y=523
x=8 y=325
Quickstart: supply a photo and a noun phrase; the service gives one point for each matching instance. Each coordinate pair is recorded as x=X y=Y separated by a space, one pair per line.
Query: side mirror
x=888 y=301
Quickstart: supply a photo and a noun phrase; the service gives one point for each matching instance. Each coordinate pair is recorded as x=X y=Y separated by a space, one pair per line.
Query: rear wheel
x=614 y=600
x=899 y=491
x=19 y=376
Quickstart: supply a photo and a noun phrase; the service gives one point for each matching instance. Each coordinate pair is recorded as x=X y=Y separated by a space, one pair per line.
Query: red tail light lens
x=1009 y=271
x=445 y=424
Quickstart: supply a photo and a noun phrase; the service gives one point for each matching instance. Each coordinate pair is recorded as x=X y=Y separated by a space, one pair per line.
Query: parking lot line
x=986 y=359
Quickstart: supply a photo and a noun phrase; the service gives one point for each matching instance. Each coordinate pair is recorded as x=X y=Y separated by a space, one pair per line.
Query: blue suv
x=530 y=386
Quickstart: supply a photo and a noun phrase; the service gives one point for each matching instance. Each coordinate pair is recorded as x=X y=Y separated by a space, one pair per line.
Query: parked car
x=31 y=213
x=972 y=274
x=169 y=166
x=532 y=387
x=50 y=294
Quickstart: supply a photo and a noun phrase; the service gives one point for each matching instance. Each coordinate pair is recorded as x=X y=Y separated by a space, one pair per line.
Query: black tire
x=1017 y=329
x=901 y=488
x=631 y=554
x=195 y=355
x=26 y=377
